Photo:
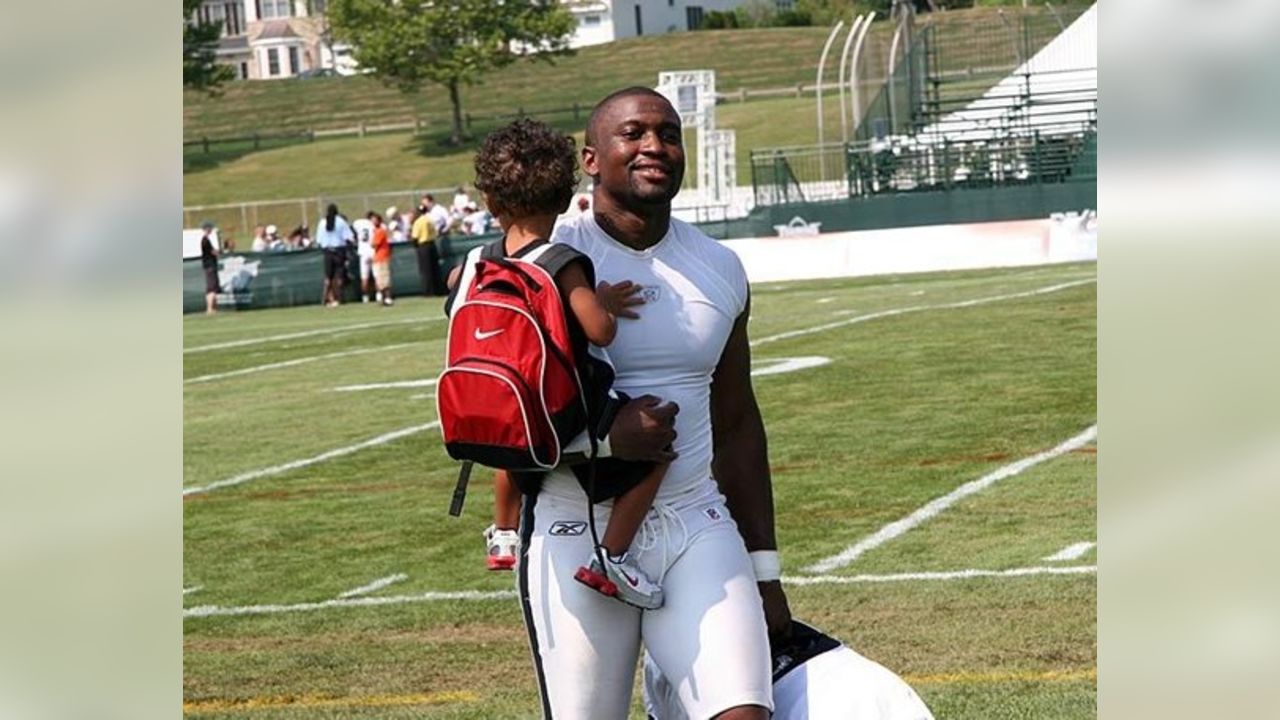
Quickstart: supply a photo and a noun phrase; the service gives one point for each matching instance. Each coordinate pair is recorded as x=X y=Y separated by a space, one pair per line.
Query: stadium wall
x=1061 y=238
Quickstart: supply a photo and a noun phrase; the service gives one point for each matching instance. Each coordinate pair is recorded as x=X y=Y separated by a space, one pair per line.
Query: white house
x=602 y=21
x=267 y=39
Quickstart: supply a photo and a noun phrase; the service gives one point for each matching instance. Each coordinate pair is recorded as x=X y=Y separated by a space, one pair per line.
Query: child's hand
x=619 y=299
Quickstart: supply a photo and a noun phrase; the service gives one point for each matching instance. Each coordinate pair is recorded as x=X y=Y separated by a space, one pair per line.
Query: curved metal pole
x=889 y=80
x=822 y=61
x=853 y=71
x=844 y=58
x=1055 y=14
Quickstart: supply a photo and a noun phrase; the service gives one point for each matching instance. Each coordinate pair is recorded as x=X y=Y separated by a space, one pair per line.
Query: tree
x=200 y=69
x=408 y=42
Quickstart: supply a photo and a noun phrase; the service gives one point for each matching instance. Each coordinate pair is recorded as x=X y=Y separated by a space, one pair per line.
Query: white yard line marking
x=775 y=366
x=952 y=575
x=480 y=595
x=466 y=595
x=386 y=385
x=1071 y=552
x=296 y=361
x=422 y=396
x=188 y=591
x=917 y=308
x=937 y=505
x=374 y=586
x=305 y=333
x=824 y=301
x=295 y=464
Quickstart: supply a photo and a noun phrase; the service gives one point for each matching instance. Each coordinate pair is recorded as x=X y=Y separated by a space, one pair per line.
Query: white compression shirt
x=694 y=290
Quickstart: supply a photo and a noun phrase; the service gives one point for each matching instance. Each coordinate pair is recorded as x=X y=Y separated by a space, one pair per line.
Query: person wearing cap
x=815 y=677
x=209 y=262
x=274 y=241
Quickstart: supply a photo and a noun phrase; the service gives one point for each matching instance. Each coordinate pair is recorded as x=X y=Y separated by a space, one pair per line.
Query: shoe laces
x=658 y=523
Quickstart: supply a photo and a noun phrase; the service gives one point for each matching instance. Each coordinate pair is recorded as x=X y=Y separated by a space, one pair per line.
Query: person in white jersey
x=815 y=677
x=689 y=346
x=363 y=229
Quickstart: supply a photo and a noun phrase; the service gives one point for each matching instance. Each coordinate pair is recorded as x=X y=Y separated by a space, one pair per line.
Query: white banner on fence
x=1069 y=237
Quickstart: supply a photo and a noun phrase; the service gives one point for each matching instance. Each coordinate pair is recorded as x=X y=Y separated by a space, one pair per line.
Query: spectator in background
x=439 y=216
x=209 y=263
x=300 y=238
x=364 y=251
x=476 y=222
x=461 y=201
x=274 y=242
x=259 y=239
x=424 y=235
x=381 y=244
x=397 y=231
x=332 y=236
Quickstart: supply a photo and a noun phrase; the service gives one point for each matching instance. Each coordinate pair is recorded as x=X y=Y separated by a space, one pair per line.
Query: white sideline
x=295 y=361
x=295 y=464
x=305 y=333
x=477 y=595
x=917 y=308
x=937 y=505
x=952 y=575
x=188 y=591
x=1071 y=552
x=374 y=586
x=216 y=610
x=386 y=385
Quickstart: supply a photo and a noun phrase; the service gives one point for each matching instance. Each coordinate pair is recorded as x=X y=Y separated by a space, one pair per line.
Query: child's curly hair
x=527 y=168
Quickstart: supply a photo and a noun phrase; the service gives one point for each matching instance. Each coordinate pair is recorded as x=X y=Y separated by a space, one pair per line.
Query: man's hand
x=644 y=429
x=777 y=614
x=620 y=298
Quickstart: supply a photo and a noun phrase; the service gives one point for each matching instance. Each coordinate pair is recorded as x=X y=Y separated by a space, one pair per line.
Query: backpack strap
x=553 y=257
x=468 y=275
x=460 y=490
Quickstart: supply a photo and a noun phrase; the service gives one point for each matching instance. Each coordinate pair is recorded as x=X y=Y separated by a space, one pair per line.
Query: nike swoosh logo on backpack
x=488 y=334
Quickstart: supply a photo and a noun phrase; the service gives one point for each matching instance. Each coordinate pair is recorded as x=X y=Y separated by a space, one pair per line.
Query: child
x=528 y=174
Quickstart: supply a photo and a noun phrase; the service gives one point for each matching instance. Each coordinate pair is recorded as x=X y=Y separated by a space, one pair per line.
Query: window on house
x=273 y=62
x=294 y=68
x=235 y=21
x=784 y=5
x=693 y=17
x=318 y=7
x=590 y=21
x=639 y=22
x=244 y=71
x=277 y=8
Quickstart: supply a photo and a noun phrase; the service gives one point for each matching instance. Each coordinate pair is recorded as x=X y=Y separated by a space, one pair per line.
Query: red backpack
x=510 y=396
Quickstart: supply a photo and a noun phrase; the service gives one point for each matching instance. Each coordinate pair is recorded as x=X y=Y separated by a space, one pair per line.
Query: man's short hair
x=608 y=100
x=527 y=168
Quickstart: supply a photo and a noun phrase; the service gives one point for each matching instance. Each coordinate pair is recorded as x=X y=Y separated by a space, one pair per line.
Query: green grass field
x=324 y=496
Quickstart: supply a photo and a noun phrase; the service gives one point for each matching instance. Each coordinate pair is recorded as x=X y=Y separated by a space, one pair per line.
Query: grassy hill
x=974 y=47
x=755 y=59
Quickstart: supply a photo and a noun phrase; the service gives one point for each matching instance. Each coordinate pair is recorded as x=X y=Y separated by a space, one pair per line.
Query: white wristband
x=767 y=565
